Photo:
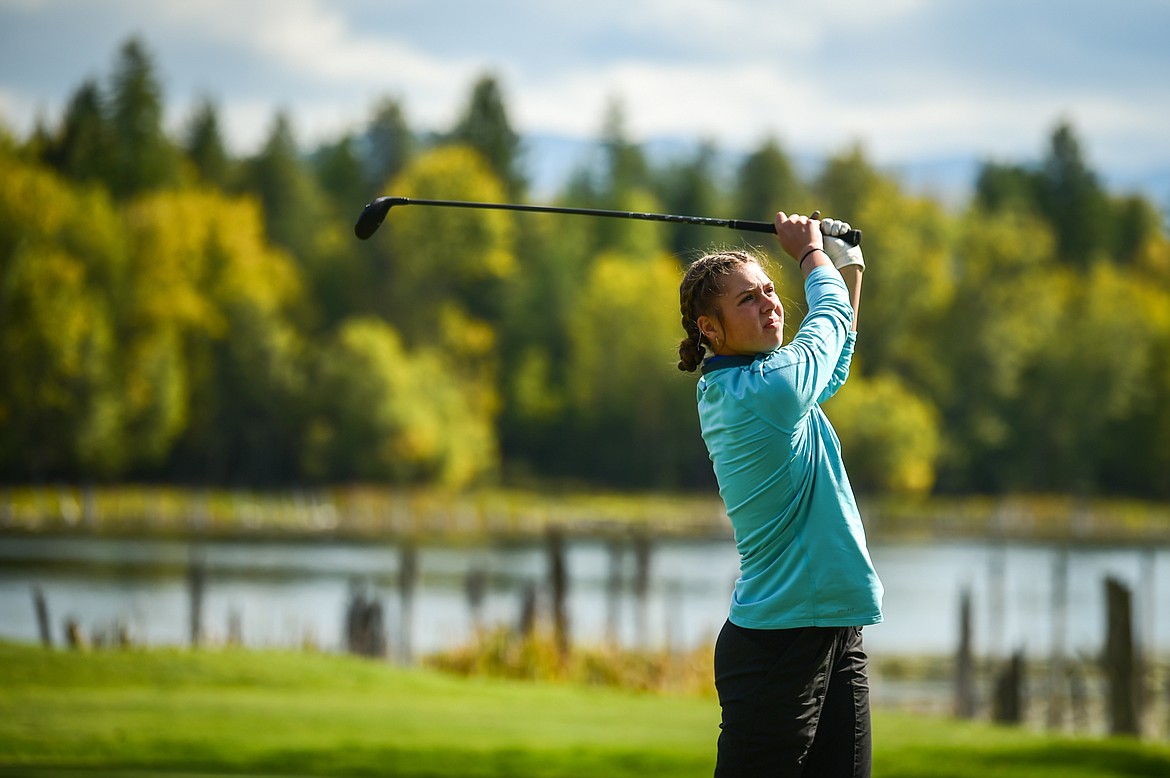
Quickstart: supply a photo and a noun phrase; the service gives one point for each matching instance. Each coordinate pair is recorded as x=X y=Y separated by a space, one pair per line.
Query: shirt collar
x=722 y=362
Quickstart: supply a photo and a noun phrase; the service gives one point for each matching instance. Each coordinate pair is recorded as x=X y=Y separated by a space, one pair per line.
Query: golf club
x=375 y=212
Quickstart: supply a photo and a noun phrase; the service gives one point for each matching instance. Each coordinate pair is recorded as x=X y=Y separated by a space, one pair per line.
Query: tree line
x=171 y=312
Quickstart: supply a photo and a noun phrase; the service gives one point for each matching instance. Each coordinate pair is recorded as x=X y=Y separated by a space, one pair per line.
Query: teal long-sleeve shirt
x=803 y=556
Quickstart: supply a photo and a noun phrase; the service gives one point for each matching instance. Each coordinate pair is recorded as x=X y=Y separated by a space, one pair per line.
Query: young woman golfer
x=789 y=665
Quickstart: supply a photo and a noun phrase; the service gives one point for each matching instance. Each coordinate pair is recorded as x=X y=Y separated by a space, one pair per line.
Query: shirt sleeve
x=841 y=372
x=784 y=386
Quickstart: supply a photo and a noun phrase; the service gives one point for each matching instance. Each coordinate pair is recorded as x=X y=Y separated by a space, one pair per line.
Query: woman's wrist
x=809 y=253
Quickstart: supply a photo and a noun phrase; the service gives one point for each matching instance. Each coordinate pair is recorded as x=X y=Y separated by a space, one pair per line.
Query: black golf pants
x=795 y=703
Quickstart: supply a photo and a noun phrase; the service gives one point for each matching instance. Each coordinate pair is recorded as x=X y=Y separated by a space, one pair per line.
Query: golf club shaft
x=375 y=212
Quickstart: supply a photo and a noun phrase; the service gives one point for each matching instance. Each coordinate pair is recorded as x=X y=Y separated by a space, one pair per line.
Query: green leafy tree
x=1007 y=305
x=446 y=256
x=1001 y=187
x=616 y=177
x=1088 y=383
x=847 y=181
x=633 y=410
x=1136 y=230
x=389 y=145
x=890 y=435
x=1072 y=200
x=766 y=182
x=484 y=126
x=205 y=148
x=60 y=396
x=553 y=260
x=164 y=308
x=690 y=187
x=144 y=158
x=83 y=149
x=339 y=172
x=347 y=277
x=909 y=287
x=383 y=413
x=625 y=165
x=1132 y=451
x=291 y=200
x=1088 y=223
x=246 y=354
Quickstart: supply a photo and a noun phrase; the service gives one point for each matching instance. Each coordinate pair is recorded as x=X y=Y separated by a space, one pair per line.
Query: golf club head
x=373 y=215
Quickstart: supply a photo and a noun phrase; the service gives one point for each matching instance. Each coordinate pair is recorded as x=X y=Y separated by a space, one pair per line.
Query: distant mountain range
x=552 y=160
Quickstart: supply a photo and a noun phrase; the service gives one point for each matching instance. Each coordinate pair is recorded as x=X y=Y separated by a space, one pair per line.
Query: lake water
x=289 y=593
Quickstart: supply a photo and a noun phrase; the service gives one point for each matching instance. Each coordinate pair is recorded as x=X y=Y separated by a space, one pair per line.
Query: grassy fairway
x=304 y=714
x=284 y=714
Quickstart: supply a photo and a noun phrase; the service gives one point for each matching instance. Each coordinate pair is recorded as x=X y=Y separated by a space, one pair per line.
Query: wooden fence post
x=475 y=586
x=235 y=628
x=365 y=626
x=42 y=610
x=1057 y=700
x=964 y=669
x=559 y=583
x=407 y=580
x=642 y=549
x=196 y=582
x=526 y=624
x=613 y=593
x=1009 y=702
x=1120 y=660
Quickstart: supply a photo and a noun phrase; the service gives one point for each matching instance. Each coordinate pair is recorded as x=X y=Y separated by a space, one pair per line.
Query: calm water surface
x=287 y=593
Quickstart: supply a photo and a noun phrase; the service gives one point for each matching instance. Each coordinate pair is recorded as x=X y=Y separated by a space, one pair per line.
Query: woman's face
x=751 y=318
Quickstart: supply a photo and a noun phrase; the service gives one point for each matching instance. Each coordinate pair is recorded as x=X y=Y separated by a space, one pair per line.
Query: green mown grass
x=232 y=712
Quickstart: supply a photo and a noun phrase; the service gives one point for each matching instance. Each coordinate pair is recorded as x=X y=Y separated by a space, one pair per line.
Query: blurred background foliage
x=172 y=313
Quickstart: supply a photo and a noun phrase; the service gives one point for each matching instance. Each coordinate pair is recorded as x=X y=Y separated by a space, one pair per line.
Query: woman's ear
x=709 y=326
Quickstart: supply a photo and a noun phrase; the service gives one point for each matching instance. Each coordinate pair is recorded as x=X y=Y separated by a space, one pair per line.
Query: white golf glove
x=838 y=250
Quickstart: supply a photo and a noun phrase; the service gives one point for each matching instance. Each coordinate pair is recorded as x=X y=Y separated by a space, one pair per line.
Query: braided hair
x=700 y=288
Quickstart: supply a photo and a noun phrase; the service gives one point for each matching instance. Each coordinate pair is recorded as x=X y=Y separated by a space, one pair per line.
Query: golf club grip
x=852 y=237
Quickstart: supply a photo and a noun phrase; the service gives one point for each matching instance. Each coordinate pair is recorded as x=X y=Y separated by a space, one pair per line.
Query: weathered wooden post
x=642 y=549
x=1008 y=707
x=1056 y=674
x=613 y=592
x=527 y=621
x=196 y=582
x=235 y=628
x=74 y=637
x=407 y=580
x=475 y=585
x=374 y=629
x=1121 y=671
x=365 y=627
x=42 y=610
x=964 y=663
x=354 y=614
x=1078 y=695
x=559 y=584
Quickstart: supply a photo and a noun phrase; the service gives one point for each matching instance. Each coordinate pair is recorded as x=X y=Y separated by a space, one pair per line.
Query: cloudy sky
x=907 y=79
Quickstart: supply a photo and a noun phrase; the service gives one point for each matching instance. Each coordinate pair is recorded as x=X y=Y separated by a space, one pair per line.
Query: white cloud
x=315 y=40
x=904 y=77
